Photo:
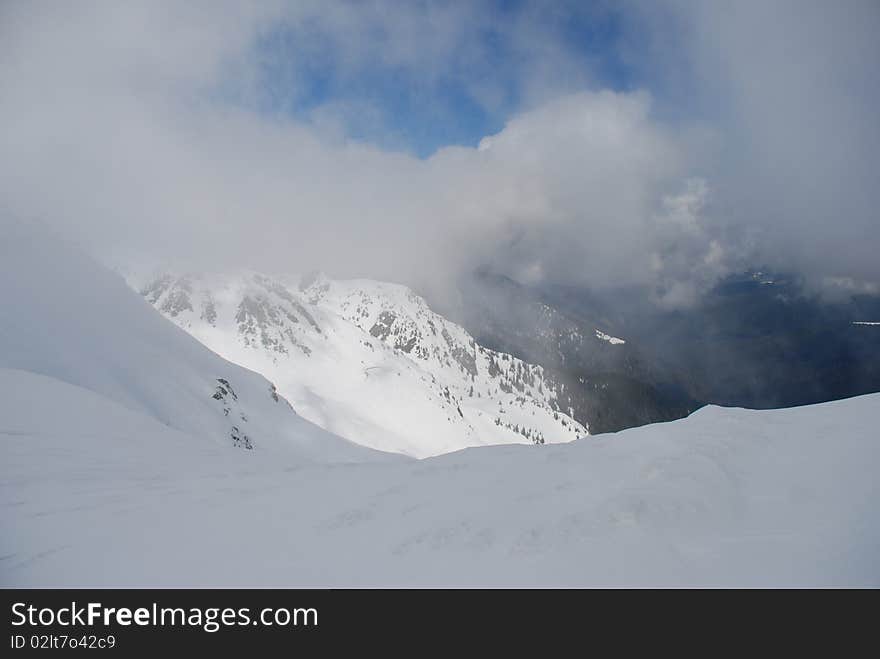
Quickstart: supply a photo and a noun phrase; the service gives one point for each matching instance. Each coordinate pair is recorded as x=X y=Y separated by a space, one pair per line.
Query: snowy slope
x=118 y=467
x=367 y=360
x=724 y=497
x=65 y=317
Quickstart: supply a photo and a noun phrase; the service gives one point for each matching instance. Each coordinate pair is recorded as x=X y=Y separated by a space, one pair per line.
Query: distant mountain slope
x=368 y=360
x=611 y=383
x=756 y=339
x=65 y=317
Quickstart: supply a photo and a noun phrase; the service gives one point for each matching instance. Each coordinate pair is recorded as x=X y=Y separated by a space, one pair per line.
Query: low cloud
x=792 y=86
x=140 y=130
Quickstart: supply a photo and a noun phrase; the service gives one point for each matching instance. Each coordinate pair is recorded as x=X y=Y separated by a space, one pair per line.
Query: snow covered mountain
x=368 y=360
x=65 y=317
x=118 y=467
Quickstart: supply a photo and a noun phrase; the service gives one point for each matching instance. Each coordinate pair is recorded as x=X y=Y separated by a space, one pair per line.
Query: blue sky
x=397 y=105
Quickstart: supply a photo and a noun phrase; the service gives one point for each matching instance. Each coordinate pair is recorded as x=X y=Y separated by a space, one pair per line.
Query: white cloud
x=118 y=125
x=794 y=89
x=110 y=134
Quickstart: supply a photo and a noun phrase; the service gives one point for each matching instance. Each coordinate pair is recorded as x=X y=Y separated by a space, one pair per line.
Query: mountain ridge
x=368 y=360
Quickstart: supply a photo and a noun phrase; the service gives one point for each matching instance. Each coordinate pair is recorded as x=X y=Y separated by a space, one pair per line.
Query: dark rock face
x=261 y=324
x=399 y=335
x=224 y=389
x=256 y=320
x=464 y=356
x=225 y=394
x=209 y=311
x=239 y=439
x=177 y=292
x=178 y=300
x=277 y=289
x=381 y=329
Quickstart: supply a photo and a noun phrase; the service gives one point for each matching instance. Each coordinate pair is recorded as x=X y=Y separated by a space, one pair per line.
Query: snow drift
x=65 y=317
x=727 y=497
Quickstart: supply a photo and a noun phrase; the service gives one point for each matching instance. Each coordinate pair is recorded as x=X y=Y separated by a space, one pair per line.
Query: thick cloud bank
x=142 y=130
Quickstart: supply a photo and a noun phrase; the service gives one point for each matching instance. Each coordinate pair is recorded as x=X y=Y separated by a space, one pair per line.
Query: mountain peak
x=368 y=360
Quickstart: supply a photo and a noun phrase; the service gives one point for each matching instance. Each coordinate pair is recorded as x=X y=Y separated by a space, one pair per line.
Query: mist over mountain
x=611 y=382
x=754 y=340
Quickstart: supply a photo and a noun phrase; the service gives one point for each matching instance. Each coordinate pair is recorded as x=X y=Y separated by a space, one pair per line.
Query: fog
x=746 y=136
